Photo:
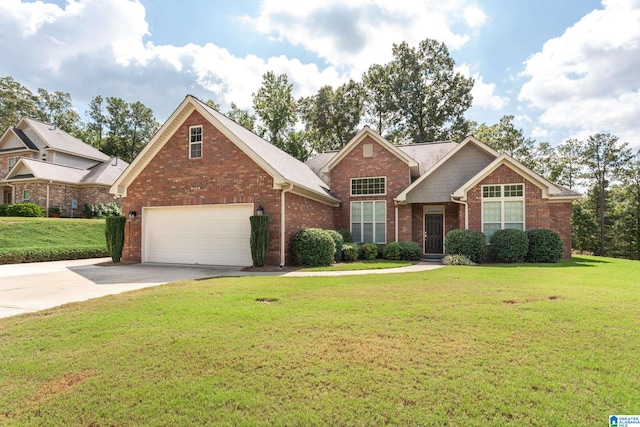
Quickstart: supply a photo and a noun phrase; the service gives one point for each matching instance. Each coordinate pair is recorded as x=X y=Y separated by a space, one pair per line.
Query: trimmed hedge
x=392 y=251
x=3 y=209
x=509 y=246
x=544 y=246
x=368 y=251
x=259 y=239
x=25 y=210
x=19 y=255
x=350 y=252
x=114 y=233
x=347 y=237
x=339 y=241
x=313 y=247
x=410 y=251
x=470 y=243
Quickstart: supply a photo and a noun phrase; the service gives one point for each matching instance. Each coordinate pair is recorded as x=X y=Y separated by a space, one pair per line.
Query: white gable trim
x=402 y=197
x=548 y=188
x=367 y=131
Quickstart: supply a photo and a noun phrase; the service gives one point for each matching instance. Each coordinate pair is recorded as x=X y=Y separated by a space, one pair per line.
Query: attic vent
x=367 y=150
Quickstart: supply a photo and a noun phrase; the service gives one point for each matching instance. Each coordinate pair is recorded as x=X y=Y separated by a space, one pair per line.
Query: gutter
x=283 y=223
x=466 y=211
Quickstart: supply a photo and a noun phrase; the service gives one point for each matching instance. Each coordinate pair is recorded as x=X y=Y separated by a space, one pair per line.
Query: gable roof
x=549 y=189
x=367 y=131
x=103 y=174
x=58 y=140
x=285 y=169
x=402 y=197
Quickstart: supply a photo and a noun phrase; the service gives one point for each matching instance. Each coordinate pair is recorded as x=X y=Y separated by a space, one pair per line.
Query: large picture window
x=502 y=207
x=369 y=186
x=369 y=221
x=195 y=142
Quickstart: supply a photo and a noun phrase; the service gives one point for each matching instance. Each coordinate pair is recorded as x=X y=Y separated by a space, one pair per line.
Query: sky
x=563 y=68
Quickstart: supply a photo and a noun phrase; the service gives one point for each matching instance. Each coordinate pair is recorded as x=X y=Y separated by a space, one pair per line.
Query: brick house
x=45 y=165
x=190 y=192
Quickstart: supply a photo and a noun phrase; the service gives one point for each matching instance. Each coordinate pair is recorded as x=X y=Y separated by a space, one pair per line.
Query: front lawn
x=48 y=239
x=476 y=346
x=376 y=264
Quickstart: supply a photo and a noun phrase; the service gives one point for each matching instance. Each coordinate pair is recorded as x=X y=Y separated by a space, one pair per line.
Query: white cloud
x=483 y=93
x=355 y=34
x=588 y=77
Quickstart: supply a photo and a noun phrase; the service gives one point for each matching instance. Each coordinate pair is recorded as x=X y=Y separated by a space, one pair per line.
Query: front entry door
x=433 y=240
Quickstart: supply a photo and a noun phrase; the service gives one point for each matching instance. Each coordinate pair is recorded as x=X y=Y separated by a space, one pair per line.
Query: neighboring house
x=45 y=165
x=191 y=191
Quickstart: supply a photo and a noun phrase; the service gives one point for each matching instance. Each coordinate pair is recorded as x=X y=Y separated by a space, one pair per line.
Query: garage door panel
x=213 y=234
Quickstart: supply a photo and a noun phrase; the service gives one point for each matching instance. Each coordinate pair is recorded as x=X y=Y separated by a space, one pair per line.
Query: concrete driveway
x=25 y=288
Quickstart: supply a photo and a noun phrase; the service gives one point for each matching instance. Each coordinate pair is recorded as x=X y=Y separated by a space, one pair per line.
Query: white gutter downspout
x=283 y=223
x=466 y=211
x=395 y=202
x=47 y=204
x=13 y=192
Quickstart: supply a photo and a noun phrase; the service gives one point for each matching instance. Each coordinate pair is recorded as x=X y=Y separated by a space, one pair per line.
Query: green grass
x=42 y=239
x=476 y=346
x=376 y=264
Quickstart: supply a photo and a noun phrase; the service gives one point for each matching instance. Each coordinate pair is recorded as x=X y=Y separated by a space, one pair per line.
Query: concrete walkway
x=26 y=288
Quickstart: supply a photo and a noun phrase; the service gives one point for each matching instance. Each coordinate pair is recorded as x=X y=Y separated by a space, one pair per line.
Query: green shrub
x=410 y=251
x=339 y=241
x=544 y=246
x=101 y=210
x=54 y=210
x=368 y=251
x=457 y=260
x=19 y=255
x=350 y=252
x=470 y=243
x=25 y=210
x=392 y=251
x=510 y=246
x=259 y=239
x=313 y=247
x=3 y=209
x=347 y=237
x=114 y=233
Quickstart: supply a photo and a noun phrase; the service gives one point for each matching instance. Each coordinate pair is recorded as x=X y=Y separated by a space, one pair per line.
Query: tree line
x=416 y=97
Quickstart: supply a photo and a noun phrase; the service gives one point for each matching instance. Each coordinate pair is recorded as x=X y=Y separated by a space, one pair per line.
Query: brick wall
x=539 y=212
x=223 y=175
x=355 y=165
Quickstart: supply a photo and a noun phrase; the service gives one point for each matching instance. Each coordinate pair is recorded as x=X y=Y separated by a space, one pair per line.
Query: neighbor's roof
x=59 y=140
x=103 y=174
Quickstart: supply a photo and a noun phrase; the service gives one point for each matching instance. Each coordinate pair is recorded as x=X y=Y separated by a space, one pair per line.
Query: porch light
x=132 y=215
x=260 y=211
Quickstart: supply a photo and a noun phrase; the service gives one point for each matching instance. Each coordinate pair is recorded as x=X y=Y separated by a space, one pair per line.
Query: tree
x=604 y=160
x=213 y=104
x=546 y=161
x=96 y=126
x=243 y=117
x=275 y=106
x=505 y=138
x=16 y=101
x=632 y=181
x=569 y=156
x=378 y=92
x=142 y=126
x=57 y=108
x=117 y=126
x=427 y=93
x=331 y=117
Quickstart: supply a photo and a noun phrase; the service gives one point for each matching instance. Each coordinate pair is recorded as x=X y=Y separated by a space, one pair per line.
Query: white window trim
x=15 y=160
x=367 y=195
x=361 y=222
x=23 y=197
x=503 y=199
x=191 y=143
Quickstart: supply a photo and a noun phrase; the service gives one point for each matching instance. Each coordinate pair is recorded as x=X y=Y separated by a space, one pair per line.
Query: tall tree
x=429 y=95
x=604 y=159
x=142 y=126
x=505 y=138
x=378 y=92
x=97 y=121
x=276 y=107
x=331 y=117
x=213 y=104
x=569 y=156
x=57 y=108
x=242 y=117
x=117 y=119
x=16 y=101
x=632 y=180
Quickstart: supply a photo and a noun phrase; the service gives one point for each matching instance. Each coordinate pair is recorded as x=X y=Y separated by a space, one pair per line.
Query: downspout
x=47 y=202
x=283 y=223
x=466 y=211
x=395 y=202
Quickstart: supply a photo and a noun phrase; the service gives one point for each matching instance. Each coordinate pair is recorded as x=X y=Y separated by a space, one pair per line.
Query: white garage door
x=210 y=234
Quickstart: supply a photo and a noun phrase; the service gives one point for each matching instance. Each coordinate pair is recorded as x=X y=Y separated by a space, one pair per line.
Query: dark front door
x=433 y=243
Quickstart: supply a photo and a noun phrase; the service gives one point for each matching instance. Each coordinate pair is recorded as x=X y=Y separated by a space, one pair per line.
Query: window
x=26 y=195
x=12 y=161
x=195 y=142
x=369 y=221
x=502 y=207
x=368 y=186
